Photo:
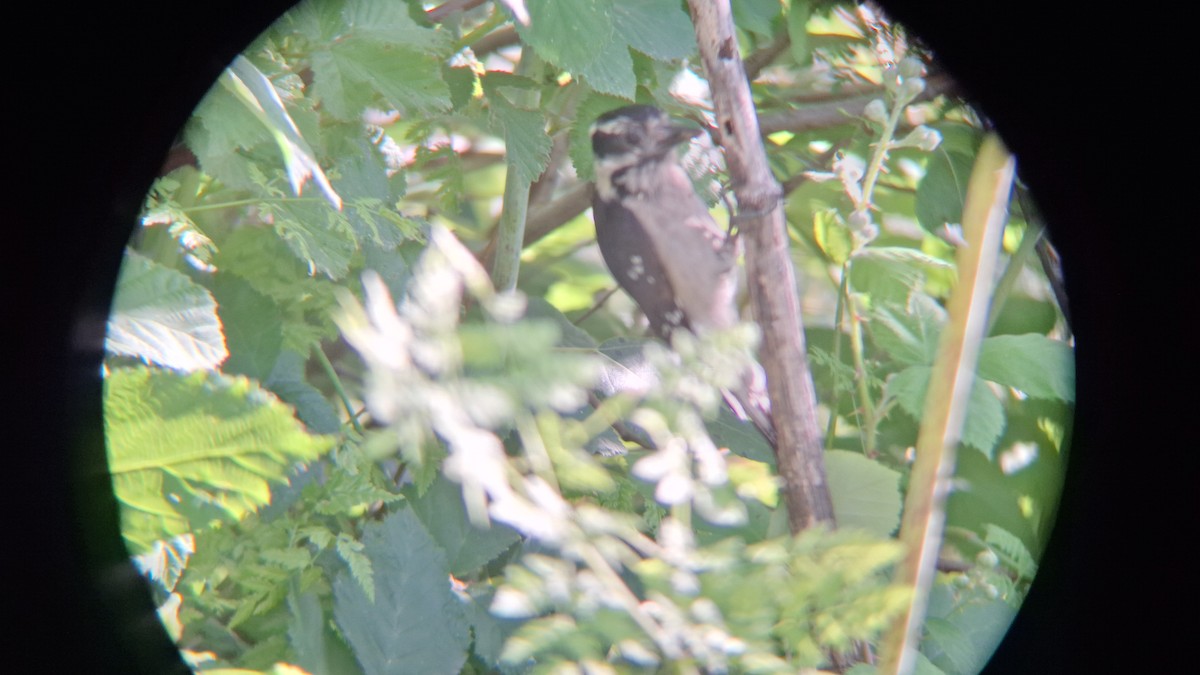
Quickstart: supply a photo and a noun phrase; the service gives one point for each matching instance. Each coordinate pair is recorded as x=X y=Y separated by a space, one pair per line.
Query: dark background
x=95 y=94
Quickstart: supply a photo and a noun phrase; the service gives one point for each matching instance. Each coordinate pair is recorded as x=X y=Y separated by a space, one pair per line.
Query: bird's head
x=635 y=134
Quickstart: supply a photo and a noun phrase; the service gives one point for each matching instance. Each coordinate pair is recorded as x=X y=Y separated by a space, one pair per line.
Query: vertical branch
x=950 y=385
x=769 y=270
x=510 y=232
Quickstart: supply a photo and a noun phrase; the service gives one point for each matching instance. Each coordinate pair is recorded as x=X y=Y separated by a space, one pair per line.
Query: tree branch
x=445 y=9
x=843 y=110
x=769 y=272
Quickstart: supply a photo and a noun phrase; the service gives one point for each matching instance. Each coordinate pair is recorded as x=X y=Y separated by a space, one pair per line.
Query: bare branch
x=439 y=13
x=841 y=111
x=769 y=272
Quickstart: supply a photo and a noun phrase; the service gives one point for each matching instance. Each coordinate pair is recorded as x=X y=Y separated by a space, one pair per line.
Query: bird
x=660 y=243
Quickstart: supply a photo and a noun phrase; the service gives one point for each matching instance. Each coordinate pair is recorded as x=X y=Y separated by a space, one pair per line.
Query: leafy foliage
x=344 y=452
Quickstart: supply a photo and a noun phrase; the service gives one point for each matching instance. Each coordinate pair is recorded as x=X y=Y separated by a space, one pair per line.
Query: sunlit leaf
x=182 y=445
x=161 y=316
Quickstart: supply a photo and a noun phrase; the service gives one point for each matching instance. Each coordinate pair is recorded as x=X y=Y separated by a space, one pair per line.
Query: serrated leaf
x=909 y=333
x=985 y=413
x=467 y=547
x=865 y=493
x=350 y=550
x=580 y=150
x=390 y=23
x=1012 y=549
x=612 y=71
x=657 y=28
x=220 y=440
x=416 y=623
x=569 y=33
x=892 y=272
x=318 y=649
x=319 y=236
x=355 y=73
x=1035 y=364
x=161 y=316
x=943 y=190
x=526 y=144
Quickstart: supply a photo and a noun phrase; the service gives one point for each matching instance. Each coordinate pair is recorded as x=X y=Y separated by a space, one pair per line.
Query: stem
x=1016 y=263
x=490 y=24
x=510 y=232
x=250 y=202
x=860 y=380
x=843 y=296
x=950 y=385
x=327 y=366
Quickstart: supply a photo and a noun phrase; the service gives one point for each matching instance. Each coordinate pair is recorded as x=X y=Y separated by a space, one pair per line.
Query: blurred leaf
x=797 y=22
x=288 y=383
x=909 y=333
x=1034 y=364
x=161 y=316
x=892 y=272
x=985 y=414
x=467 y=547
x=756 y=15
x=253 y=327
x=832 y=236
x=865 y=493
x=943 y=191
x=319 y=650
x=219 y=440
x=416 y=623
x=1013 y=551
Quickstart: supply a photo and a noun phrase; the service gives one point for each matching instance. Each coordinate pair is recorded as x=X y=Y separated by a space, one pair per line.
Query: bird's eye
x=634 y=136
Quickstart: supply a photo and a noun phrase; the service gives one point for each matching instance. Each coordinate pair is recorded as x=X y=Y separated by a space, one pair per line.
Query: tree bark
x=772 y=282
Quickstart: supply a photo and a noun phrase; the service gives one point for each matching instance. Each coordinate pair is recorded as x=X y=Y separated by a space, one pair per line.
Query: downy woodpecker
x=660 y=242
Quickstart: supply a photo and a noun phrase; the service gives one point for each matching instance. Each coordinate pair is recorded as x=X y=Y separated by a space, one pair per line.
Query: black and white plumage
x=659 y=240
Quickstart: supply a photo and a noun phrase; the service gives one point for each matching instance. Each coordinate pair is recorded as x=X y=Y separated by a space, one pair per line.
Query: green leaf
x=416 y=623
x=832 y=236
x=316 y=234
x=866 y=494
x=260 y=97
x=355 y=73
x=569 y=33
x=317 y=647
x=252 y=323
x=657 y=28
x=467 y=547
x=756 y=15
x=161 y=316
x=985 y=413
x=592 y=106
x=892 y=272
x=199 y=443
x=288 y=383
x=943 y=191
x=1012 y=549
x=612 y=71
x=390 y=23
x=797 y=25
x=908 y=333
x=526 y=143
x=1034 y=364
